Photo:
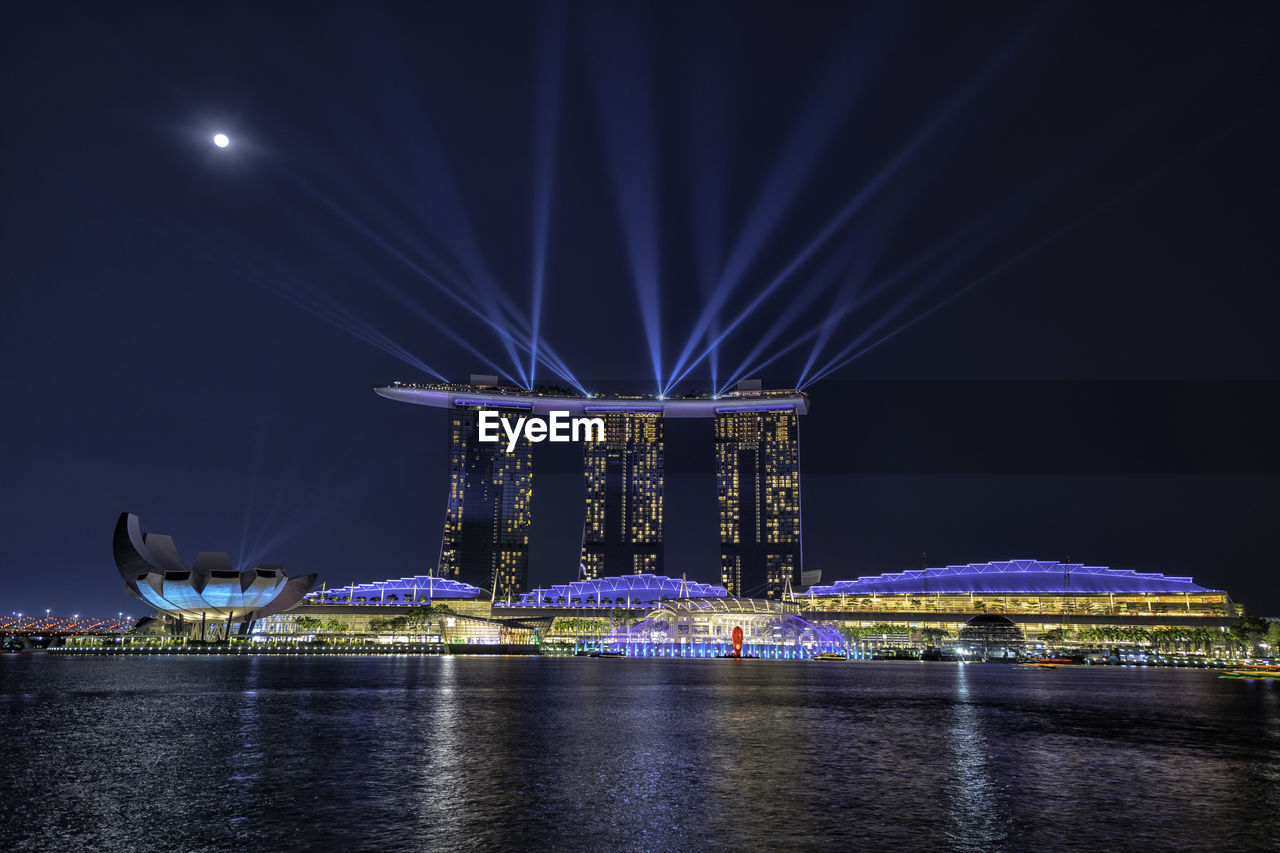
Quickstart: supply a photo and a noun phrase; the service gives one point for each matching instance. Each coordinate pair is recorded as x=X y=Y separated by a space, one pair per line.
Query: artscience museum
x=209 y=589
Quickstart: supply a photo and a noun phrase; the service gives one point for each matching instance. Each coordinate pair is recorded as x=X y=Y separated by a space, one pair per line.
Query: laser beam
x=840 y=88
x=623 y=89
x=883 y=176
x=546 y=120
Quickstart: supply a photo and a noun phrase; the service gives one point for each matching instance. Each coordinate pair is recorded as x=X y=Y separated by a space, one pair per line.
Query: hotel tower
x=488 y=517
x=622 y=531
x=486 y=525
x=758 y=493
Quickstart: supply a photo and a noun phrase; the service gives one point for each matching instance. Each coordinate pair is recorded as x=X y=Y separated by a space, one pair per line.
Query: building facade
x=488 y=521
x=623 y=478
x=1043 y=590
x=486 y=527
x=209 y=590
x=758 y=491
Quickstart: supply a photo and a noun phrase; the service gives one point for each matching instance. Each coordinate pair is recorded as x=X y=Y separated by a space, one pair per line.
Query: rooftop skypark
x=446 y=395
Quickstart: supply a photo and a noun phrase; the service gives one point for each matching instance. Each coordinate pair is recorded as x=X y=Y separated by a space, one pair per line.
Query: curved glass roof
x=404 y=589
x=728 y=605
x=761 y=625
x=1012 y=576
x=636 y=589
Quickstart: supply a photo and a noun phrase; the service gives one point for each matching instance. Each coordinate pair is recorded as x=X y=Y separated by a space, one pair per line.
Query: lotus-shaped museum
x=210 y=587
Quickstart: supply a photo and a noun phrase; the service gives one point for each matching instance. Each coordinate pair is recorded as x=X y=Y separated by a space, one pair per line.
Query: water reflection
x=579 y=754
x=978 y=808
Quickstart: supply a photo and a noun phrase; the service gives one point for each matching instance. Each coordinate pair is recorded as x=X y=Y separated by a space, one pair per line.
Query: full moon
x=221 y=140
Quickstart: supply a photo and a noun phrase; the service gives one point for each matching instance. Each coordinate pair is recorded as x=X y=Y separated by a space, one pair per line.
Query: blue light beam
x=841 y=87
x=546 y=116
x=1011 y=262
x=970 y=90
x=797 y=305
x=624 y=100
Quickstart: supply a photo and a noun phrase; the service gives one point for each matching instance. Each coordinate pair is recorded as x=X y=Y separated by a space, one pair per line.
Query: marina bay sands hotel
x=487 y=521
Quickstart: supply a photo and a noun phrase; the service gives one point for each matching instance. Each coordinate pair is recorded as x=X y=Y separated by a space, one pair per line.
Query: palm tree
x=309 y=624
x=851 y=633
x=933 y=636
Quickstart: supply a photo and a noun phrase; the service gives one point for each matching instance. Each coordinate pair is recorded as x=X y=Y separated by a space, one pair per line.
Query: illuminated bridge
x=28 y=626
x=18 y=631
x=489 y=510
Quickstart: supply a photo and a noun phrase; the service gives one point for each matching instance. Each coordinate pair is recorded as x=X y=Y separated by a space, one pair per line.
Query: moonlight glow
x=221 y=140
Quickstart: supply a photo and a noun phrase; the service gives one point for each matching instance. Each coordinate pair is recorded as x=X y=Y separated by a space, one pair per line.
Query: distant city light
x=221 y=140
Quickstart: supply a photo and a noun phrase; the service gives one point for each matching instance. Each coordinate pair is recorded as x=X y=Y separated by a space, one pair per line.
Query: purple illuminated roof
x=399 y=589
x=623 y=589
x=1011 y=576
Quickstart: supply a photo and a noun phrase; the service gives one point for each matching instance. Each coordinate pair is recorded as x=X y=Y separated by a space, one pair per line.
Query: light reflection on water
x=478 y=753
x=978 y=808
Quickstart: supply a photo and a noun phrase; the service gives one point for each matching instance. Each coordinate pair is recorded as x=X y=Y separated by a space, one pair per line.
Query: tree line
x=418 y=621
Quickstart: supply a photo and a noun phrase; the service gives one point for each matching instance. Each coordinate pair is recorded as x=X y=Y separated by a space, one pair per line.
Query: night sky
x=1022 y=257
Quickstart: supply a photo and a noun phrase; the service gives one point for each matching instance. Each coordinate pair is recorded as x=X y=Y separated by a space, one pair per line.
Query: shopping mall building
x=692 y=618
x=1036 y=589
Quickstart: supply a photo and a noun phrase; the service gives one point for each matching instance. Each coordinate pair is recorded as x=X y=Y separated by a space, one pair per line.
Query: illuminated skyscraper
x=758 y=489
x=486 y=526
x=622 y=532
